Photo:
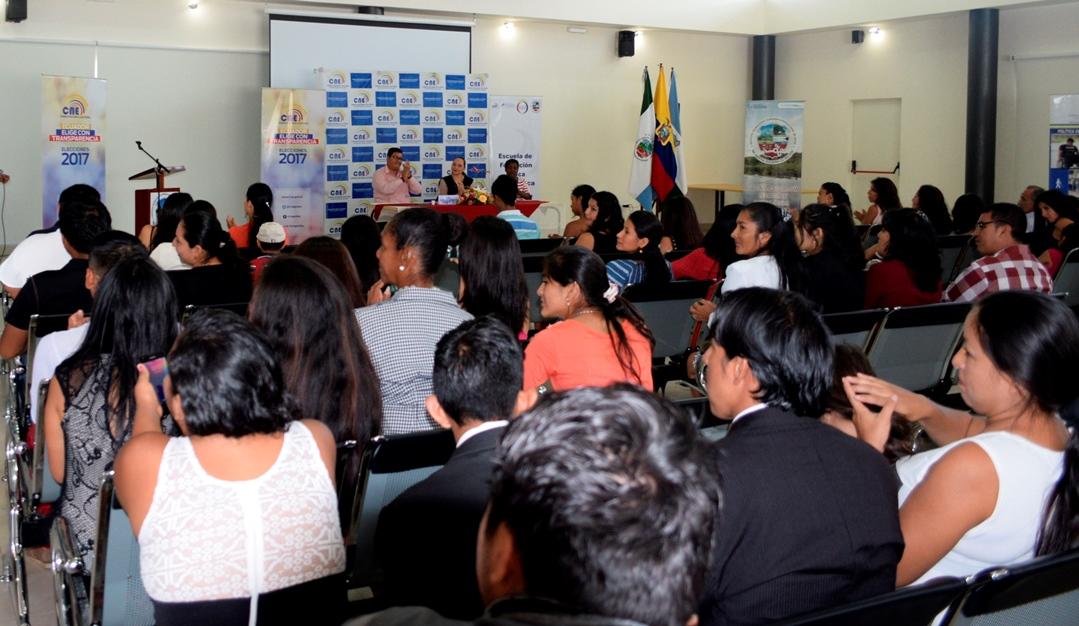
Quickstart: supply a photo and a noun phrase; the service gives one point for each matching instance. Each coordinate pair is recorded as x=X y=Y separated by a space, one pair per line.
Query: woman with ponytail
x=601 y=339
x=218 y=275
x=258 y=209
x=1002 y=486
x=401 y=330
x=640 y=236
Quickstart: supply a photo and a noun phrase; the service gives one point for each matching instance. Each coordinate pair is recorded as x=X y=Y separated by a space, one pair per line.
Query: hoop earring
x=400 y=268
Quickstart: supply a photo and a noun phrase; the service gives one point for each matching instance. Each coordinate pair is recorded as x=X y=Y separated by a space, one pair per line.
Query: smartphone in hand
x=158 y=369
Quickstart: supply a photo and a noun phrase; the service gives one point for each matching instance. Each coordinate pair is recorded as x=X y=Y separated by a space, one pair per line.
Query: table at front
x=721 y=190
x=467 y=211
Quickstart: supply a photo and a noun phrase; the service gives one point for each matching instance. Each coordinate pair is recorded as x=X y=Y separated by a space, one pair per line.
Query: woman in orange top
x=601 y=339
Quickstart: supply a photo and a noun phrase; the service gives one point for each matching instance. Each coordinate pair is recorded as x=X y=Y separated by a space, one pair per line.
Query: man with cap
x=270 y=240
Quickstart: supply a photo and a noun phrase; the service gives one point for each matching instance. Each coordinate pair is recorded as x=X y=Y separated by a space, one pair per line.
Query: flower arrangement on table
x=473 y=196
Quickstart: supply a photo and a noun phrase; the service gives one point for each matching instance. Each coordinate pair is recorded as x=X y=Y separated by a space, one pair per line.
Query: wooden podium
x=146 y=199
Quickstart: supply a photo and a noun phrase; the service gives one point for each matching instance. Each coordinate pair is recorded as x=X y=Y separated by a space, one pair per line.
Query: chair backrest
x=533 y=266
x=665 y=310
x=539 y=246
x=43 y=487
x=390 y=465
x=1067 y=278
x=1042 y=591
x=117 y=597
x=914 y=345
x=855 y=328
x=913 y=606
x=40 y=325
x=951 y=249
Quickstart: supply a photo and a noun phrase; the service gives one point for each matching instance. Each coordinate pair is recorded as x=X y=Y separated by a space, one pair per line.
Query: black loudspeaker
x=857 y=36
x=625 y=43
x=14 y=10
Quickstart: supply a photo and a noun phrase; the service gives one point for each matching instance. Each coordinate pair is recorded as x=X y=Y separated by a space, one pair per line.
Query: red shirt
x=696 y=265
x=890 y=284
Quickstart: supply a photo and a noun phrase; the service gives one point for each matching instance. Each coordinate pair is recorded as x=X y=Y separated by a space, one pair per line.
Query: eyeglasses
x=981 y=225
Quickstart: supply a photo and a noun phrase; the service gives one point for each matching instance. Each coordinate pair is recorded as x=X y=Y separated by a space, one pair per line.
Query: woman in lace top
x=237 y=519
x=90 y=409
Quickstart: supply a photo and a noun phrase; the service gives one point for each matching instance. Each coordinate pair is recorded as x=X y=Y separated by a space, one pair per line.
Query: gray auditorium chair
x=855 y=328
x=40 y=325
x=665 y=310
x=1067 y=279
x=914 y=346
x=912 y=606
x=533 y=266
x=955 y=255
x=1042 y=591
x=539 y=247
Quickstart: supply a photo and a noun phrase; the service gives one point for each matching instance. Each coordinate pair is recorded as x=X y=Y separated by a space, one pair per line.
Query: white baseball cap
x=271 y=232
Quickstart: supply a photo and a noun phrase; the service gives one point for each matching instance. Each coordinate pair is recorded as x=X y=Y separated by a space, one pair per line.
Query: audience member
x=1000 y=489
x=1038 y=235
x=1059 y=211
x=360 y=235
x=968 y=207
x=62 y=291
x=883 y=197
x=43 y=251
x=605 y=222
x=578 y=202
x=91 y=408
x=217 y=275
x=270 y=240
x=833 y=267
x=456 y=182
x=334 y=256
x=602 y=510
x=833 y=194
x=716 y=251
x=258 y=210
x=827 y=532
x=601 y=339
x=764 y=234
x=930 y=201
x=476 y=386
x=504 y=195
x=681 y=230
x=492 y=274
x=401 y=331
x=909 y=273
x=395 y=183
x=513 y=167
x=109 y=248
x=250 y=486
x=162 y=250
x=838 y=413
x=1005 y=263
x=640 y=236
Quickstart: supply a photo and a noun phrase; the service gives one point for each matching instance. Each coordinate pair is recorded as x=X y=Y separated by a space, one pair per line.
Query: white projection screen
x=300 y=45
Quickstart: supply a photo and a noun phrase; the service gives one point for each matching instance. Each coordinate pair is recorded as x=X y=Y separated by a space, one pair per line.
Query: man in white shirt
x=395 y=183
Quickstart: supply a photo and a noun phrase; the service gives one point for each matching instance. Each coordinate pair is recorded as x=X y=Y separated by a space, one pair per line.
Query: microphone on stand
x=4 y=178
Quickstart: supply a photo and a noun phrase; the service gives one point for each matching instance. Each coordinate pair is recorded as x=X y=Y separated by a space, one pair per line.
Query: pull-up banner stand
x=293 y=158
x=773 y=152
x=73 y=128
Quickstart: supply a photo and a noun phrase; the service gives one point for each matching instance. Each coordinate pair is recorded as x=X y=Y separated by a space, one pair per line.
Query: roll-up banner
x=773 y=152
x=293 y=158
x=73 y=129
x=515 y=134
x=432 y=117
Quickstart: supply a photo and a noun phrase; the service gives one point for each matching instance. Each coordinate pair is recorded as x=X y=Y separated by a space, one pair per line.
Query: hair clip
x=611 y=293
x=785 y=214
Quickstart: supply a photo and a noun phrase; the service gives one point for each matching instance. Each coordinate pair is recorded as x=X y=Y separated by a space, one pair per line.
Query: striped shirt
x=522 y=187
x=1013 y=267
x=523 y=226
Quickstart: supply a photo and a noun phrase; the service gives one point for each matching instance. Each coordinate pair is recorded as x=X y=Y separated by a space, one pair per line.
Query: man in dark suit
x=809 y=515
x=426 y=538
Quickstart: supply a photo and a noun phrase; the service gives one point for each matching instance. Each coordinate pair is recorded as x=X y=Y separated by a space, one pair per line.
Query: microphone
x=138 y=143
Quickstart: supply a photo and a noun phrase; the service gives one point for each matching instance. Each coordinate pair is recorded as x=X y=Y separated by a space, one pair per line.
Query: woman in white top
x=158 y=239
x=237 y=519
x=1001 y=489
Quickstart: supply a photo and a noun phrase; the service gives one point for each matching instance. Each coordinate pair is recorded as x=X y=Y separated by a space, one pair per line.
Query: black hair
x=849 y=361
x=360 y=235
x=308 y=319
x=679 y=219
x=1061 y=203
x=514 y=161
x=584 y=192
x=966 y=210
x=656 y=271
x=1041 y=355
x=228 y=377
x=201 y=228
x=717 y=241
x=913 y=242
x=334 y=256
x=393 y=151
x=261 y=198
x=493 y=273
x=840 y=239
x=887 y=194
x=611 y=504
x=478 y=370
x=1008 y=214
x=786 y=342
x=931 y=202
x=134 y=318
x=570 y=264
x=111 y=247
x=79 y=192
x=782 y=245
x=505 y=189
x=608 y=215
x=425 y=230
x=838 y=193
x=81 y=221
x=168 y=217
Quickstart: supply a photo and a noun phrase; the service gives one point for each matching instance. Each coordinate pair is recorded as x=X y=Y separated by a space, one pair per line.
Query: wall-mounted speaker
x=14 y=10
x=857 y=36
x=625 y=43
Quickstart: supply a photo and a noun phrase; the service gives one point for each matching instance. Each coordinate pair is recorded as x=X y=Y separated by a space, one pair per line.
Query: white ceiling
x=743 y=17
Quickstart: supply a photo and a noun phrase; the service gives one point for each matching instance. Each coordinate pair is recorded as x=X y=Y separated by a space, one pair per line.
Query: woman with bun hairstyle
x=218 y=275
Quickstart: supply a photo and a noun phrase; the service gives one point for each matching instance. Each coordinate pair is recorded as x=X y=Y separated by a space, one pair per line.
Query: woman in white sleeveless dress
x=236 y=520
